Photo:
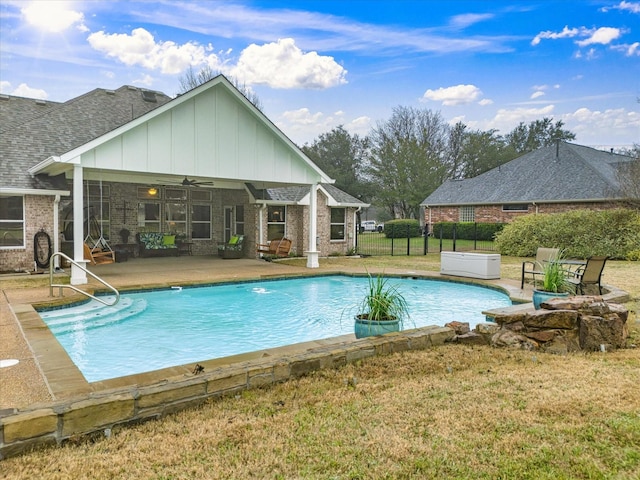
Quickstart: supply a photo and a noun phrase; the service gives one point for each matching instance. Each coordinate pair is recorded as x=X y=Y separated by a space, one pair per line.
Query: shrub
x=467 y=230
x=402 y=228
x=579 y=234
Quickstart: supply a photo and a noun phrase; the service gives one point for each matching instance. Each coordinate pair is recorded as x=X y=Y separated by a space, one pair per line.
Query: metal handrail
x=73 y=287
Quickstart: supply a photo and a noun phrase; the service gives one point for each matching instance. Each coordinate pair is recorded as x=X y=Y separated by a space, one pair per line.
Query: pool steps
x=92 y=315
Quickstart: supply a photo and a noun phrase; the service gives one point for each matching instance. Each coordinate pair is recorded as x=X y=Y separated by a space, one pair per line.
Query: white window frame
x=20 y=222
x=467 y=214
x=342 y=224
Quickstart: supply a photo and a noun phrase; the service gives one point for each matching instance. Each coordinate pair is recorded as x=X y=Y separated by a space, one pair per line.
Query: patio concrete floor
x=28 y=383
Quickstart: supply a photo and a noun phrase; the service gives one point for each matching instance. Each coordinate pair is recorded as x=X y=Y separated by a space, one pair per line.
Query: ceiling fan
x=190 y=183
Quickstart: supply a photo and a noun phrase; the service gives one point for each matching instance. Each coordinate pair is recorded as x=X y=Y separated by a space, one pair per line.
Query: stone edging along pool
x=83 y=409
x=104 y=409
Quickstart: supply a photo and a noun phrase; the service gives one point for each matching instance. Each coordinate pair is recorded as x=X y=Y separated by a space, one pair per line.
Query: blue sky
x=319 y=64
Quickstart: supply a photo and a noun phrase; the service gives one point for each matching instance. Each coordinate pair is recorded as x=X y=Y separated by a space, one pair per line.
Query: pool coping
x=65 y=380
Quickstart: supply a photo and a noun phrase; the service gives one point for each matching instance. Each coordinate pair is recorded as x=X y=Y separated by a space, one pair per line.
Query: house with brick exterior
x=552 y=179
x=204 y=166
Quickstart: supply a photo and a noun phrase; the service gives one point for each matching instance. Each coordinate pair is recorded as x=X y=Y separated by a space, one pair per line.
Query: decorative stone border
x=99 y=412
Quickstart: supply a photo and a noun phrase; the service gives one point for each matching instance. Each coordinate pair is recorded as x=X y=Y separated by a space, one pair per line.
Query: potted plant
x=383 y=309
x=554 y=283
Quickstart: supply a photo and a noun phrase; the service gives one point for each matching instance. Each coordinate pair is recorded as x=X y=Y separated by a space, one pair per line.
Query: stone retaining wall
x=571 y=324
x=99 y=412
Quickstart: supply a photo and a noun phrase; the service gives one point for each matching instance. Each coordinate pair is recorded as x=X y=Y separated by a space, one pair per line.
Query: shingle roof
x=29 y=135
x=289 y=195
x=559 y=173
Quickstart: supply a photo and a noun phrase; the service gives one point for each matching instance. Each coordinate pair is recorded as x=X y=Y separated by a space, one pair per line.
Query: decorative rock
x=542 y=336
x=459 y=327
x=487 y=328
x=545 y=319
x=472 y=338
x=515 y=326
x=507 y=338
x=596 y=331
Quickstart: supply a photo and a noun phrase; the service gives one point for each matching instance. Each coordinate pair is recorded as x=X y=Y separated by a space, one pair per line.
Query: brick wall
x=38 y=215
x=495 y=214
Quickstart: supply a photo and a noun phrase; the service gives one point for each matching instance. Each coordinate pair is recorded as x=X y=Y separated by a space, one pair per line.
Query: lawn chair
x=536 y=267
x=98 y=256
x=278 y=247
x=233 y=249
x=589 y=274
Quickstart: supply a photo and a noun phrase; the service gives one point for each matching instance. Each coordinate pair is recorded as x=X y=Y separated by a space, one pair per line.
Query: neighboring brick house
x=551 y=179
x=138 y=160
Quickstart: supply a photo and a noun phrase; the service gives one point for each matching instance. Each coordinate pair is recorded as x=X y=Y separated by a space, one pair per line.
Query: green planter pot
x=540 y=296
x=367 y=328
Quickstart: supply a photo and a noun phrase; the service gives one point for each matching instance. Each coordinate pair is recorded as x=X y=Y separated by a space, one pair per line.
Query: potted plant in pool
x=554 y=284
x=383 y=309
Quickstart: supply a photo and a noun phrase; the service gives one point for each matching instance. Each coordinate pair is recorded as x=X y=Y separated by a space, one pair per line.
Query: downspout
x=355 y=226
x=56 y=233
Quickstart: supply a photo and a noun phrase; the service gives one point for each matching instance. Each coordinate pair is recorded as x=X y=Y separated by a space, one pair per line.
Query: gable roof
x=559 y=173
x=32 y=132
x=210 y=132
x=299 y=195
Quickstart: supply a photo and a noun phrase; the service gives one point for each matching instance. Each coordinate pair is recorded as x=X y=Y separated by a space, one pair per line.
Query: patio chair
x=589 y=274
x=536 y=267
x=98 y=256
x=234 y=248
x=278 y=247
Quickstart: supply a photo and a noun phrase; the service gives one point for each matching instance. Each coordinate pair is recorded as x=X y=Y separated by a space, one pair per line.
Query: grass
x=449 y=412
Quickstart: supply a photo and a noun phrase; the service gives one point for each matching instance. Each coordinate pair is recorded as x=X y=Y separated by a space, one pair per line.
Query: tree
x=628 y=176
x=341 y=156
x=483 y=151
x=192 y=79
x=539 y=133
x=408 y=159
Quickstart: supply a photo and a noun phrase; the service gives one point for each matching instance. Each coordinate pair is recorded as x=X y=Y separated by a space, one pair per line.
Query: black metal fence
x=442 y=238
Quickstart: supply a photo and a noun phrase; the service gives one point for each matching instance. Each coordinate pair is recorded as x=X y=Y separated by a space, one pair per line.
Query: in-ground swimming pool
x=156 y=329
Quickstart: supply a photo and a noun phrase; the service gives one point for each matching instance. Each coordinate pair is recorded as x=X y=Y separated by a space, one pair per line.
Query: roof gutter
x=32 y=191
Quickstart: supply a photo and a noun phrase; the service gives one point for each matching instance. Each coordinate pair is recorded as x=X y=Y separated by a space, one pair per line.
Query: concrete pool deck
x=45 y=373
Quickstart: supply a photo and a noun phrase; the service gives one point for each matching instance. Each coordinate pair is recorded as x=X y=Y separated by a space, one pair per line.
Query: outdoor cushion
x=169 y=240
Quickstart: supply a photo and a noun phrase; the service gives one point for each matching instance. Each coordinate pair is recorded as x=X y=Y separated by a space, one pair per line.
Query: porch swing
x=97 y=251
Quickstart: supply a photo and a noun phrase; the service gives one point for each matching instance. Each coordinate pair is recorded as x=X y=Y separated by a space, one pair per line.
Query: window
x=338 y=220
x=175 y=217
x=149 y=217
x=239 y=219
x=11 y=221
x=201 y=222
x=97 y=202
x=276 y=224
x=515 y=207
x=467 y=214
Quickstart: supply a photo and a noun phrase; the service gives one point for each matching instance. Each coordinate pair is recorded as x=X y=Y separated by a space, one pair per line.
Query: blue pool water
x=157 y=329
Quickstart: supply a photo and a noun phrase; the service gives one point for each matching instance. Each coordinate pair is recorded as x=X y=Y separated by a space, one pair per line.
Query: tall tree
x=537 y=134
x=192 y=79
x=407 y=160
x=483 y=151
x=341 y=156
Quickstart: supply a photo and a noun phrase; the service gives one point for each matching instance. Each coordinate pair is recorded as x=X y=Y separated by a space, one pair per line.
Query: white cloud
x=467 y=19
x=146 y=80
x=456 y=95
x=304 y=126
x=633 y=7
x=23 y=90
x=359 y=126
x=565 y=33
x=601 y=36
x=537 y=94
x=610 y=123
x=140 y=48
x=53 y=16
x=485 y=101
x=506 y=120
x=628 y=50
x=283 y=65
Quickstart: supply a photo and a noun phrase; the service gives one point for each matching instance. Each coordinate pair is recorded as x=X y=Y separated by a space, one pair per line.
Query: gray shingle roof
x=289 y=195
x=31 y=133
x=562 y=173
